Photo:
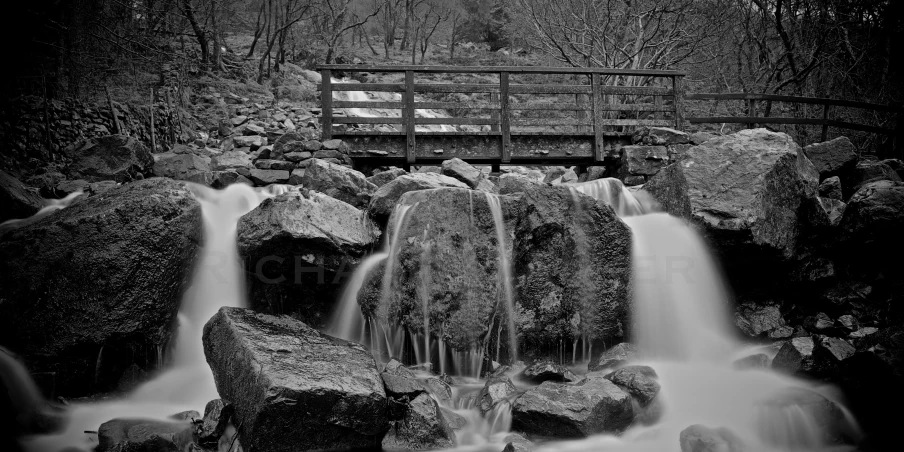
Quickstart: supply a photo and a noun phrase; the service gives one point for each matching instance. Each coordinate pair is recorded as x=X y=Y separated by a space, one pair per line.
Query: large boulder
x=387 y=196
x=547 y=371
x=299 y=247
x=16 y=199
x=384 y=177
x=342 y=183
x=113 y=157
x=423 y=427
x=755 y=320
x=594 y=405
x=836 y=157
x=639 y=381
x=744 y=189
x=230 y=160
x=463 y=171
x=107 y=273
x=143 y=435
x=571 y=264
x=616 y=356
x=189 y=167
x=294 y=388
x=496 y=390
x=872 y=221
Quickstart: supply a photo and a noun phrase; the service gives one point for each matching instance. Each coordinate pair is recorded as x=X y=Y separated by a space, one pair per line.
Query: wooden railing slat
x=326 y=104
x=408 y=98
x=505 y=144
x=791 y=99
x=490 y=69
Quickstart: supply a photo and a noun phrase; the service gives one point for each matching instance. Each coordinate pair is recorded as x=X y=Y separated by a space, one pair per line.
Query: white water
x=187 y=384
x=612 y=192
x=505 y=275
x=50 y=206
x=361 y=96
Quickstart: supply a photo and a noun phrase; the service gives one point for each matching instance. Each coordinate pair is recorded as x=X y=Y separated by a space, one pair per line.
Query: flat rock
x=269 y=164
x=112 y=157
x=385 y=177
x=230 y=160
x=325 y=392
x=266 y=176
x=342 y=183
x=556 y=410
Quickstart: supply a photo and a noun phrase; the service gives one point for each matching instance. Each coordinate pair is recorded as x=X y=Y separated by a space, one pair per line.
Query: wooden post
x=505 y=118
x=598 y=141
x=494 y=114
x=751 y=112
x=151 y=110
x=825 y=126
x=409 y=118
x=678 y=88
x=169 y=119
x=326 y=104
x=112 y=111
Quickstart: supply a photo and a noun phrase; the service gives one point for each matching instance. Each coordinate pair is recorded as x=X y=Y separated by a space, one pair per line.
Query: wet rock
x=829 y=351
x=639 y=381
x=517 y=443
x=645 y=160
x=113 y=157
x=658 y=136
x=795 y=356
x=398 y=386
x=387 y=196
x=423 y=428
x=831 y=188
x=264 y=177
x=494 y=392
x=453 y=419
x=755 y=320
x=515 y=183
x=594 y=405
x=298 y=247
x=135 y=244
x=230 y=160
x=700 y=438
x=820 y=323
x=217 y=415
x=571 y=263
x=614 y=357
x=16 y=199
x=181 y=166
x=827 y=417
x=274 y=165
x=325 y=393
x=142 y=435
x=459 y=169
x=547 y=371
x=744 y=189
x=755 y=361
x=344 y=184
x=871 y=225
x=382 y=178
x=832 y=158
x=439 y=389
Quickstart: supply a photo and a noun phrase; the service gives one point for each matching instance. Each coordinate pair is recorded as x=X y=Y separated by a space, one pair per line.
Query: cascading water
x=187 y=384
x=50 y=206
x=361 y=96
x=612 y=192
x=505 y=274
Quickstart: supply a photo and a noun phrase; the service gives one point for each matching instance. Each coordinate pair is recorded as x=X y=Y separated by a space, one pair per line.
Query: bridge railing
x=604 y=103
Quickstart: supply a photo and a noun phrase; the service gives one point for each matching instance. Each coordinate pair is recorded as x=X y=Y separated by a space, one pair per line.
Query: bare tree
x=333 y=19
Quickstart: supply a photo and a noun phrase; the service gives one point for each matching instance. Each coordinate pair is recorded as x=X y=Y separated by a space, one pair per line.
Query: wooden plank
x=547 y=106
x=598 y=140
x=751 y=120
x=550 y=122
x=549 y=89
x=797 y=99
x=638 y=122
x=368 y=120
x=505 y=118
x=383 y=87
x=860 y=127
x=409 y=118
x=326 y=104
x=825 y=127
x=456 y=121
x=366 y=104
x=455 y=88
x=637 y=90
x=678 y=90
x=456 y=105
x=427 y=69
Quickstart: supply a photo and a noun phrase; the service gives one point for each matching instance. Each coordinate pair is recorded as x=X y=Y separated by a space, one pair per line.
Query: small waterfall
x=505 y=274
x=612 y=192
x=50 y=206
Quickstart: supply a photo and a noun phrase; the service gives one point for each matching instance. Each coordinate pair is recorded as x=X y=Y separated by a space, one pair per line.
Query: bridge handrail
x=495 y=69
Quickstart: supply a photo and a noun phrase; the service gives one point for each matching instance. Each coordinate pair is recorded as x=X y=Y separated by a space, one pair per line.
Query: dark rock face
x=385 y=177
x=141 y=435
x=422 y=428
x=217 y=415
x=113 y=157
x=16 y=199
x=639 y=381
x=494 y=392
x=795 y=356
x=594 y=405
x=547 y=371
x=181 y=166
x=831 y=188
x=572 y=267
x=107 y=271
x=344 y=184
x=515 y=183
x=298 y=247
x=294 y=388
x=832 y=158
x=387 y=196
x=755 y=320
x=614 y=357
x=873 y=218
x=700 y=438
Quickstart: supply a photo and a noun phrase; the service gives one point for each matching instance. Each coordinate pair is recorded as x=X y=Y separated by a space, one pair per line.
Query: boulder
x=547 y=371
x=249 y=141
x=16 y=199
x=871 y=171
x=342 y=183
x=830 y=188
x=571 y=264
x=264 y=177
x=296 y=157
x=143 y=435
x=795 y=356
x=299 y=246
x=515 y=183
x=659 y=136
x=614 y=357
x=384 y=177
x=230 y=160
x=217 y=416
x=136 y=245
x=745 y=190
x=832 y=158
x=496 y=390
x=453 y=419
x=556 y=410
x=700 y=438
x=517 y=443
x=294 y=388
x=386 y=197
x=400 y=386
x=181 y=166
x=754 y=320
x=113 y=157
x=459 y=169
x=422 y=428
x=871 y=224
x=644 y=160
x=824 y=212
x=897 y=165
x=821 y=415
x=639 y=381
x=274 y=164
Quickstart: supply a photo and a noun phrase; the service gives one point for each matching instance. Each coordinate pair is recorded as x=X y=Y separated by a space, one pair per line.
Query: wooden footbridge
x=512 y=115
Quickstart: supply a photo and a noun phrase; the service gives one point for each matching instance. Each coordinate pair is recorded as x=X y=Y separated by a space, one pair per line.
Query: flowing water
x=366 y=112
x=50 y=206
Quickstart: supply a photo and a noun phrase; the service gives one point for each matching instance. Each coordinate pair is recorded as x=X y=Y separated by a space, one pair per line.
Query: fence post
x=151 y=110
x=504 y=117
x=598 y=140
x=409 y=118
x=678 y=89
x=825 y=125
x=326 y=104
x=751 y=112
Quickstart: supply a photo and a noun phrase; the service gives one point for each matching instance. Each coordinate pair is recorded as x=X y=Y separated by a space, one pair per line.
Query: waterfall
x=50 y=206
x=505 y=274
x=187 y=383
x=612 y=192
